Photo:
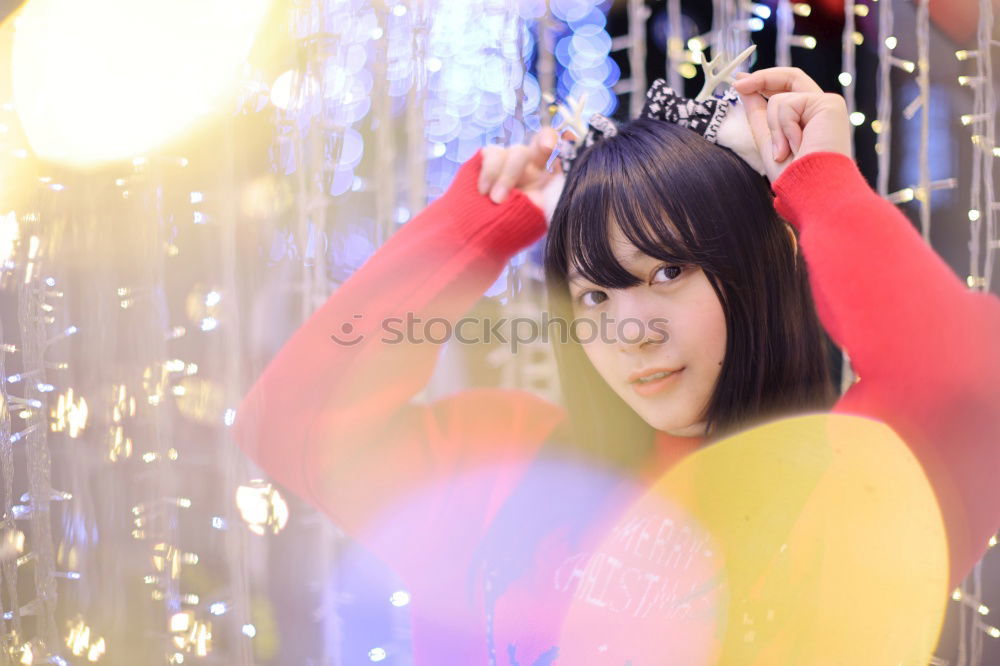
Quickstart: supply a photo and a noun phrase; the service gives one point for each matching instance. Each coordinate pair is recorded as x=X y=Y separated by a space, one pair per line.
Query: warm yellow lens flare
x=811 y=540
x=111 y=79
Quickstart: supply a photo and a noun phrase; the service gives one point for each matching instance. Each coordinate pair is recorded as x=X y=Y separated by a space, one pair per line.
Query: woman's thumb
x=548 y=137
x=543 y=144
x=755 y=108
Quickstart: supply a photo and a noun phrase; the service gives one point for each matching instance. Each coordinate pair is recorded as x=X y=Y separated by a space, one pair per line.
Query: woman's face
x=671 y=322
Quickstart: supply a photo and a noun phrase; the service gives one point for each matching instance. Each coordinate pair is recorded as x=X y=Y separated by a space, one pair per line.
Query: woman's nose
x=638 y=325
x=635 y=334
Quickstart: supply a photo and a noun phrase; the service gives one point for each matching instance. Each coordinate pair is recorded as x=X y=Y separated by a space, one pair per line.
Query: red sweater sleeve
x=926 y=349
x=334 y=422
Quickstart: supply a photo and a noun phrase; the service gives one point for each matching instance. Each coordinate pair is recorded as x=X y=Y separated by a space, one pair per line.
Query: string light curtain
x=127 y=368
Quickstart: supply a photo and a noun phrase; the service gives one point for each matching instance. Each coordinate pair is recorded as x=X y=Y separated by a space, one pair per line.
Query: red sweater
x=419 y=484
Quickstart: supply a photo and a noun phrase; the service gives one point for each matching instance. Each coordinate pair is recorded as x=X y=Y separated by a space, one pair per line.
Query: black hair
x=680 y=198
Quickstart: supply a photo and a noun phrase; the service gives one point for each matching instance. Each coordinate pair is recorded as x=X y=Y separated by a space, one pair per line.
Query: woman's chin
x=677 y=428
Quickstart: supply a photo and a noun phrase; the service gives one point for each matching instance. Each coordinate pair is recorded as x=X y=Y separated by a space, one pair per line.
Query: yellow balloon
x=813 y=540
x=111 y=79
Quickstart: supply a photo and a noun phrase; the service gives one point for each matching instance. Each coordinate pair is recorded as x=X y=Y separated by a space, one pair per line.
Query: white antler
x=572 y=116
x=717 y=72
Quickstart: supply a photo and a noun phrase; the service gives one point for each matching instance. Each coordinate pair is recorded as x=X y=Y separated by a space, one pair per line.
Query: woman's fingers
x=755 y=108
x=541 y=146
x=493 y=159
x=796 y=124
x=778 y=139
x=503 y=169
x=777 y=121
x=784 y=120
x=776 y=126
x=774 y=80
x=790 y=122
x=510 y=174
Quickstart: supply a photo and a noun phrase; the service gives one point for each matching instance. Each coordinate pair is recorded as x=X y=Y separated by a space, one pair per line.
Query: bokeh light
x=814 y=539
x=110 y=79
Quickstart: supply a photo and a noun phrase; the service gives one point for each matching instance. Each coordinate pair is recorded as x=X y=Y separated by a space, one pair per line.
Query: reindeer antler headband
x=721 y=120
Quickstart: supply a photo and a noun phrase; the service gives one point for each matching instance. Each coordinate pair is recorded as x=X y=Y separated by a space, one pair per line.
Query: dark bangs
x=682 y=199
x=663 y=208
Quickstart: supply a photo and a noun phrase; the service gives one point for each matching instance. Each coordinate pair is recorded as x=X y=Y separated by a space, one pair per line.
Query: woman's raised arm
x=331 y=416
x=924 y=347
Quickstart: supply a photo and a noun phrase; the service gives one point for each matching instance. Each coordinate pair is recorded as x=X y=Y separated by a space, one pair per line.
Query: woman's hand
x=796 y=119
x=522 y=167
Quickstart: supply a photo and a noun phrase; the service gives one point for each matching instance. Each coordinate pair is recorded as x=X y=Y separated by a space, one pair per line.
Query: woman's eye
x=669 y=273
x=593 y=298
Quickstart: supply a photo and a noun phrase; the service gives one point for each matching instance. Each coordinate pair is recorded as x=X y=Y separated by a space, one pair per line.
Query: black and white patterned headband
x=721 y=120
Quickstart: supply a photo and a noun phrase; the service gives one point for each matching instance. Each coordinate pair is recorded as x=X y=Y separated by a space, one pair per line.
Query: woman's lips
x=656 y=385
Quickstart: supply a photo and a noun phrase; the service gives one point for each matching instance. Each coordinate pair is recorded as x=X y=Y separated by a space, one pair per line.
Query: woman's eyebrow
x=633 y=258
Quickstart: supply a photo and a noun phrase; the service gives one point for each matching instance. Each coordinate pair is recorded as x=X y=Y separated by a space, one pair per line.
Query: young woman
x=684 y=242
